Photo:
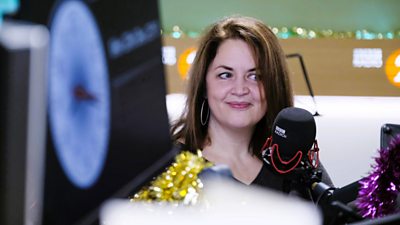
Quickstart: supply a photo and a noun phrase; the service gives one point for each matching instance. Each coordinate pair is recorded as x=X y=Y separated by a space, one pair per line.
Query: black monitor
x=388 y=132
x=106 y=124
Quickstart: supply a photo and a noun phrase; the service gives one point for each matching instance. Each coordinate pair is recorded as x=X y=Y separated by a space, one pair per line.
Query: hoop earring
x=202 y=121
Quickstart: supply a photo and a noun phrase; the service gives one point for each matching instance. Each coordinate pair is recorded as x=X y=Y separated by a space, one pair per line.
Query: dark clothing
x=269 y=178
x=291 y=184
x=296 y=183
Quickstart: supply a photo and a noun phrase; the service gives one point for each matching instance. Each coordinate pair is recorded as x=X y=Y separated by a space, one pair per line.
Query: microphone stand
x=305 y=74
x=335 y=212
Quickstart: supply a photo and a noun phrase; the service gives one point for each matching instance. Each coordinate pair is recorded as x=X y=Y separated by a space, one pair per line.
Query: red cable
x=313 y=155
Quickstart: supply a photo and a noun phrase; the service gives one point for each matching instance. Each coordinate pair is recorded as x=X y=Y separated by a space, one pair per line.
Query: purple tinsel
x=378 y=191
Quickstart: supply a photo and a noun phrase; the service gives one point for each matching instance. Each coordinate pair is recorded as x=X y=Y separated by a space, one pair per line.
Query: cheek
x=210 y=90
x=216 y=90
x=214 y=97
x=261 y=98
x=259 y=93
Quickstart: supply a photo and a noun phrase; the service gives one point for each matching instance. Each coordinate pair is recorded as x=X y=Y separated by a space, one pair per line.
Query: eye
x=224 y=75
x=253 y=76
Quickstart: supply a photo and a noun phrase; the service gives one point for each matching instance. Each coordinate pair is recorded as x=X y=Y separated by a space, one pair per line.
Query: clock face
x=78 y=94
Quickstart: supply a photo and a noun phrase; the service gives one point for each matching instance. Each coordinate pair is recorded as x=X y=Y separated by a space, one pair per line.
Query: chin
x=242 y=125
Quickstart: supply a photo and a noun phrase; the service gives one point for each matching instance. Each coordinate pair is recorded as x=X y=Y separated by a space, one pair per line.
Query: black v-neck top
x=268 y=178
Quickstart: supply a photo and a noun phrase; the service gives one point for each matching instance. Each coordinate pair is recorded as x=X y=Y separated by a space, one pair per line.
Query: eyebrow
x=231 y=69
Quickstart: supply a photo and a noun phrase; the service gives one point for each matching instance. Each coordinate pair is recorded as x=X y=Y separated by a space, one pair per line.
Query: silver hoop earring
x=202 y=121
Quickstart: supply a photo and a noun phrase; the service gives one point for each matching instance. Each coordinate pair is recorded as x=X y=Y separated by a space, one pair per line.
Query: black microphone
x=293 y=130
x=290 y=145
x=292 y=152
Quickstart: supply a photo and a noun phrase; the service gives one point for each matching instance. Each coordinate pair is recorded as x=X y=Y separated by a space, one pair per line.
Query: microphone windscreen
x=293 y=130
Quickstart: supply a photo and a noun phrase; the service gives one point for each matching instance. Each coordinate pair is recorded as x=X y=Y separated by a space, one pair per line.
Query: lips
x=239 y=105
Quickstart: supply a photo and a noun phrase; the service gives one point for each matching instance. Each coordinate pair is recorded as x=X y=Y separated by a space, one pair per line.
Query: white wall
x=348 y=132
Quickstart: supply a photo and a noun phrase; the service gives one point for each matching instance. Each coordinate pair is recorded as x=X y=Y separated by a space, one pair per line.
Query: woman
x=238 y=83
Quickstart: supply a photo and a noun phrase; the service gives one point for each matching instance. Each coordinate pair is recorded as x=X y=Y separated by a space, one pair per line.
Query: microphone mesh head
x=293 y=130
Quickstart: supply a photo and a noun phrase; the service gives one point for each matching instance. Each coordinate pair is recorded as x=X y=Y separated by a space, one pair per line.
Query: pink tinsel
x=378 y=191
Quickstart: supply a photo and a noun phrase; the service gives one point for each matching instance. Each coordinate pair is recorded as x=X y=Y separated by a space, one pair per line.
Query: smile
x=239 y=105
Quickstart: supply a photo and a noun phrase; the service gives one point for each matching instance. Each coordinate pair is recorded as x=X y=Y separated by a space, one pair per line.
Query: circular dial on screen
x=79 y=96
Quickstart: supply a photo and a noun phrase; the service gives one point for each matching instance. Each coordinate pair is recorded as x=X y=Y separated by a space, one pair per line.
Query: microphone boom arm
x=306 y=78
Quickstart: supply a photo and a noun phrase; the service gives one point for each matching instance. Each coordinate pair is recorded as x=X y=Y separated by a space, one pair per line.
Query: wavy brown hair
x=271 y=68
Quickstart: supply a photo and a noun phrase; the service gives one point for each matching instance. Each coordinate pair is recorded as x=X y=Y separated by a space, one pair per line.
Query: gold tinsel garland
x=179 y=183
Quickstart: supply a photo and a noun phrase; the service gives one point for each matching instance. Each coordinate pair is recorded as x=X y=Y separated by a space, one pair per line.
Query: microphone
x=292 y=151
x=290 y=145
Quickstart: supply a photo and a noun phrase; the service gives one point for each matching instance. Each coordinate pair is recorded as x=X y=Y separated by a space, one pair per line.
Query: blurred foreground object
x=7 y=6
x=221 y=202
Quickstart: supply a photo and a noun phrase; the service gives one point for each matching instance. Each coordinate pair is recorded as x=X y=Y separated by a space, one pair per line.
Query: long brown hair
x=271 y=67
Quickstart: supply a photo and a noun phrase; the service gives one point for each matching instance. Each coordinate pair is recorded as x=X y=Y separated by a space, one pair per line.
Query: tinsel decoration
x=179 y=183
x=378 y=191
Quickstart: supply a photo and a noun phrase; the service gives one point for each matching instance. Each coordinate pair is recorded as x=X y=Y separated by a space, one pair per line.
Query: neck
x=231 y=147
x=233 y=141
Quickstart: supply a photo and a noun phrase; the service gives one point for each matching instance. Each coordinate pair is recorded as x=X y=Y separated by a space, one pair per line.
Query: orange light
x=184 y=62
x=392 y=68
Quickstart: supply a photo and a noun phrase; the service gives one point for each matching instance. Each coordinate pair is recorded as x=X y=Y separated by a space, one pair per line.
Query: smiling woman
x=239 y=70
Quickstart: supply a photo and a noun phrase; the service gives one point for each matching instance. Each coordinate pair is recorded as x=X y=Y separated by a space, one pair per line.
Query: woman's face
x=235 y=96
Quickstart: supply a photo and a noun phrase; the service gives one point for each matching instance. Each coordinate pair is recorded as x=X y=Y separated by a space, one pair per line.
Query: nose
x=240 y=87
